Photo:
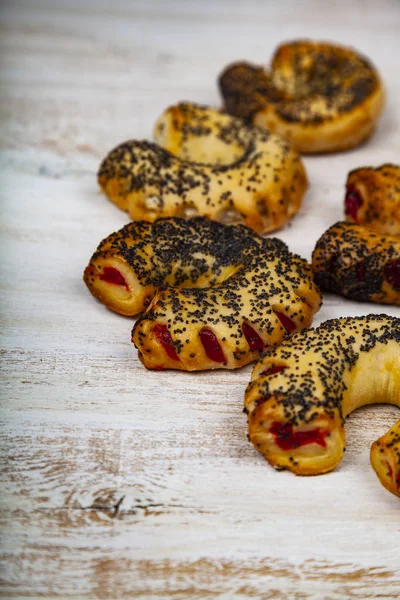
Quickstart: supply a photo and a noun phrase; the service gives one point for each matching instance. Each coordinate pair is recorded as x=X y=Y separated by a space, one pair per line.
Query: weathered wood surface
x=117 y=482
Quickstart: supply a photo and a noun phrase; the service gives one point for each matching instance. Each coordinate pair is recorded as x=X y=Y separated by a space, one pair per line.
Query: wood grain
x=120 y=483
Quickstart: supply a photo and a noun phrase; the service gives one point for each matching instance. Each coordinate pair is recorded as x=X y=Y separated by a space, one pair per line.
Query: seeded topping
x=206 y=163
x=354 y=262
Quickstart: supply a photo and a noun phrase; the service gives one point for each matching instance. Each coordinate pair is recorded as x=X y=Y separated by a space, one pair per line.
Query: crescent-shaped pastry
x=216 y=295
x=301 y=392
x=321 y=97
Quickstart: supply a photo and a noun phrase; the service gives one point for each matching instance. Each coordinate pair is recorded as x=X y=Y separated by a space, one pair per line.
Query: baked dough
x=218 y=294
x=301 y=392
x=385 y=458
x=321 y=97
x=206 y=163
x=357 y=263
x=373 y=198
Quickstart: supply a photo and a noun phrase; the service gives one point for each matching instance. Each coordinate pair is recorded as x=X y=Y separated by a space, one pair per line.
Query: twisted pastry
x=356 y=263
x=301 y=392
x=218 y=294
x=321 y=97
x=373 y=198
x=206 y=163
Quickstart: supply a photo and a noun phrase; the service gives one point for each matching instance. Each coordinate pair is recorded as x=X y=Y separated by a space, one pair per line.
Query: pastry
x=301 y=392
x=319 y=96
x=373 y=198
x=357 y=263
x=214 y=295
x=210 y=164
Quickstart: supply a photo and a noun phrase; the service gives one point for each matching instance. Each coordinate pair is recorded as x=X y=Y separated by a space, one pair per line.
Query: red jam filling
x=392 y=273
x=352 y=202
x=360 y=272
x=390 y=470
x=398 y=481
x=272 y=370
x=111 y=275
x=288 y=324
x=286 y=439
x=163 y=336
x=252 y=337
x=211 y=345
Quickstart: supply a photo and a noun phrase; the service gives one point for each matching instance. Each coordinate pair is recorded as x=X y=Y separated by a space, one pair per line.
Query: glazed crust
x=301 y=392
x=321 y=97
x=210 y=164
x=373 y=198
x=354 y=262
x=197 y=276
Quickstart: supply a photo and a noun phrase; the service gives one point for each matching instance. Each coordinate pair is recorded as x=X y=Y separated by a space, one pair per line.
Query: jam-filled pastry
x=357 y=263
x=373 y=198
x=321 y=97
x=301 y=392
x=214 y=295
x=210 y=164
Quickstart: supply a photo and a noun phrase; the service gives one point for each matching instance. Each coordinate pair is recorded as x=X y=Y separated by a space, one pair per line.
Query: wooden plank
x=117 y=482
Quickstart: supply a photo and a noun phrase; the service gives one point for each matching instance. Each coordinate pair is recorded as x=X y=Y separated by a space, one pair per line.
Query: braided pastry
x=231 y=293
x=357 y=263
x=373 y=198
x=206 y=163
x=319 y=96
x=301 y=392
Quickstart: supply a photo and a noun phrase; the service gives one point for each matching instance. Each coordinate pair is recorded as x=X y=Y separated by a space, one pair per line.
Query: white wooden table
x=117 y=482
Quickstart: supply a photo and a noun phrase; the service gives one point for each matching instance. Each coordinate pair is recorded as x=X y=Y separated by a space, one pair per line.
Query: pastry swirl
x=214 y=295
x=321 y=97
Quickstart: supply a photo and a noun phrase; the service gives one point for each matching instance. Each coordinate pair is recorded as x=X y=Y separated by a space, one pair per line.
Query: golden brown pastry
x=373 y=198
x=301 y=392
x=206 y=163
x=216 y=295
x=319 y=96
x=385 y=458
x=357 y=263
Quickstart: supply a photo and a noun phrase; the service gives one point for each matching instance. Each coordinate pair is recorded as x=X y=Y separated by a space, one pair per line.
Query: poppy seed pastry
x=321 y=97
x=357 y=263
x=373 y=198
x=301 y=392
x=214 y=295
x=209 y=164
